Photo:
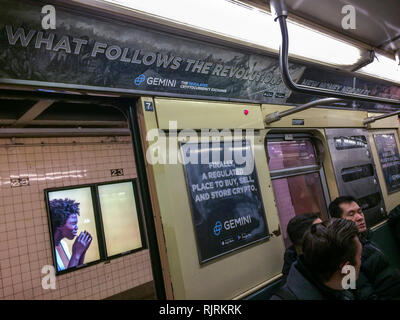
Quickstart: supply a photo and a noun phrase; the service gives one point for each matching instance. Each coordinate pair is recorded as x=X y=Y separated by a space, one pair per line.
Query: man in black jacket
x=375 y=267
x=296 y=229
x=328 y=247
x=394 y=224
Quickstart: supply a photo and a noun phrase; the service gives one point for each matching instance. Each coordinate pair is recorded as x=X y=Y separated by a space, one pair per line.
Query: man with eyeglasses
x=375 y=268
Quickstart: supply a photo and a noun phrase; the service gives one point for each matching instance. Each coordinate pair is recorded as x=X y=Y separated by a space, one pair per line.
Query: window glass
x=351 y=142
x=120 y=217
x=289 y=154
x=298 y=195
x=369 y=201
x=357 y=172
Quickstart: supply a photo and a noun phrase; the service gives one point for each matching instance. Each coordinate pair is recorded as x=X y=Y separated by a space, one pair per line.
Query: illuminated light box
x=119 y=213
x=93 y=223
x=73 y=227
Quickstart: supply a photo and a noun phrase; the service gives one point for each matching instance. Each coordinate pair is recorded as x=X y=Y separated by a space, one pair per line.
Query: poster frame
x=389 y=189
x=139 y=216
x=103 y=257
x=203 y=261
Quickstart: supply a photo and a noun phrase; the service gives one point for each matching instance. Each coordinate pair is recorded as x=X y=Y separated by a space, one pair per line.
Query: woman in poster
x=64 y=217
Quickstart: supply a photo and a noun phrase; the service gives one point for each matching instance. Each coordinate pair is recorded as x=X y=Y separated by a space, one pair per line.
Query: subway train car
x=157 y=150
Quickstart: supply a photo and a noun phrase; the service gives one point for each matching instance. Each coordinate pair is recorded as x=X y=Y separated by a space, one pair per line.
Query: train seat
x=384 y=239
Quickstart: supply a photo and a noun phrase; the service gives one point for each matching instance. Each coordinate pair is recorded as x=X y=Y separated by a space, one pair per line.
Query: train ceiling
x=377 y=22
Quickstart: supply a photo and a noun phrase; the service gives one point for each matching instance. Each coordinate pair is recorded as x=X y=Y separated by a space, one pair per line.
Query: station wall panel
x=25 y=245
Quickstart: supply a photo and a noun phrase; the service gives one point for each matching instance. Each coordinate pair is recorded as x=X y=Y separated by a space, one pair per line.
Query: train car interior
x=124 y=100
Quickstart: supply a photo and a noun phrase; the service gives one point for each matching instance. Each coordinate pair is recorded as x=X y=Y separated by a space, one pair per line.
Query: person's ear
x=341 y=266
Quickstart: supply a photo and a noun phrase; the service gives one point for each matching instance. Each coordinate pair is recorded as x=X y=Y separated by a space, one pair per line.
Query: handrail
x=280 y=12
x=383 y=116
x=276 y=116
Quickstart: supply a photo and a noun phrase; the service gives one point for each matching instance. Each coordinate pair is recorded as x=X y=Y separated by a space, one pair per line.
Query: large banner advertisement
x=225 y=198
x=313 y=77
x=390 y=160
x=98 y=53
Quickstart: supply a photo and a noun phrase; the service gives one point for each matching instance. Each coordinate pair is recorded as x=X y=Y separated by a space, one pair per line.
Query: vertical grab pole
x=147 y=209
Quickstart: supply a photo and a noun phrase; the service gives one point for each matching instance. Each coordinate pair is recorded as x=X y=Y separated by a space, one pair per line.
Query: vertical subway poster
x=225 y=197
x=389 y=158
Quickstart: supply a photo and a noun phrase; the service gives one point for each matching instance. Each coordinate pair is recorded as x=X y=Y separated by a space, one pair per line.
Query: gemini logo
x=217 y=228
x=140 y=79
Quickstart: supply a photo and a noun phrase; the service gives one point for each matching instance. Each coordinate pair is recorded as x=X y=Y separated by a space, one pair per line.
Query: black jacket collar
x=366 y=236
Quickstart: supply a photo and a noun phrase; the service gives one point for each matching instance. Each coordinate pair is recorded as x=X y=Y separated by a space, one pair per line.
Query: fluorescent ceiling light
x=384 y=68
x=249 y=24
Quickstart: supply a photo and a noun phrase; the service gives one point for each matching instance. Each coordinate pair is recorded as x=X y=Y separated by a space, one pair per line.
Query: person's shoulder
x=64 y=245
x=290 y=253
x=374 y=261
x=283 y=293
x=366 y=236
x=370 y=248
x=289 y=258
x=275 y=297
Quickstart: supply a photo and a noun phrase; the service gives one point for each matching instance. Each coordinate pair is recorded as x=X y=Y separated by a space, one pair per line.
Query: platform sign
x=225 y=198
x=389 y=158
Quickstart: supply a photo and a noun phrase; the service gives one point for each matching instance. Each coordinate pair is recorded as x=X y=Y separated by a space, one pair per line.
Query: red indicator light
x=246 y=112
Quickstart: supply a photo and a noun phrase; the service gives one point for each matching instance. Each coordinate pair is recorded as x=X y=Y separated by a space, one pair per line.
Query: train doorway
x=355 y=171
x=298 y=178
x=56 y=146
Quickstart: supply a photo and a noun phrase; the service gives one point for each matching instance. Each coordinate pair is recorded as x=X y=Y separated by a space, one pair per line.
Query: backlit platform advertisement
x=73 y=227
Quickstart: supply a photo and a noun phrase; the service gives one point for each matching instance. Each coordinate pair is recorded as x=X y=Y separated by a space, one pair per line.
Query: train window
x=369 y=201
x=297 y=195
x=289 y=154
x=351 y=142
x=357 y=172
x=297 y=179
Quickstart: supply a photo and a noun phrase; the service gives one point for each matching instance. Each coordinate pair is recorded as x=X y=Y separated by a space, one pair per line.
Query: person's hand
x=89 y=240
x=81 y=244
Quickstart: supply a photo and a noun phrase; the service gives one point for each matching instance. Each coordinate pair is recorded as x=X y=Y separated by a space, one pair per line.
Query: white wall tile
x=24 y=234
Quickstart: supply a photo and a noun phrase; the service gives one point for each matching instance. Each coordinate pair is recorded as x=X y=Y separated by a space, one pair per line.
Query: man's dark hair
x=327 y=245
x=334 y=208
x=60 y=210
x=298 y=226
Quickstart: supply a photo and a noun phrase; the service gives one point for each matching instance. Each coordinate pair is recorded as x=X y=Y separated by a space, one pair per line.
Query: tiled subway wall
x=25 y=245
